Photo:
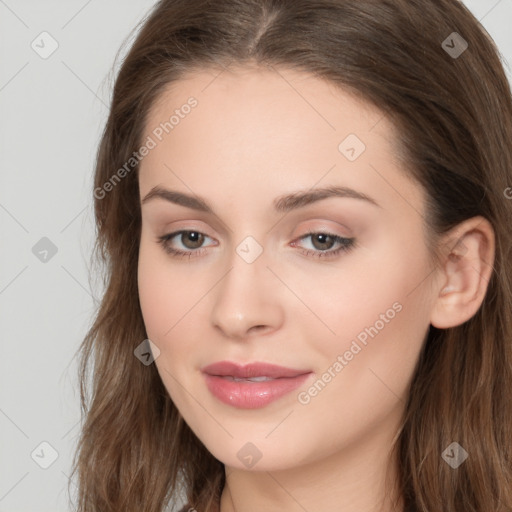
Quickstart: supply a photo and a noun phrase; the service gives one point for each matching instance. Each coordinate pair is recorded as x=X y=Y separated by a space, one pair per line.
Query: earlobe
x=465 y=273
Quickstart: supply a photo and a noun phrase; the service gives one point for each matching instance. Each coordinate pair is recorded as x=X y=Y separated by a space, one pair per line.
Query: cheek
x=170 y=301
x=368 y=366
x=160 y=304
x=382 y=320
x=379 y=310
x=367 y=291
x=164 y=303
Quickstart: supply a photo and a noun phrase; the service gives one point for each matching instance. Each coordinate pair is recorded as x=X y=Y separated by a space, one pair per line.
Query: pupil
x=323 y=238
x=193 y=237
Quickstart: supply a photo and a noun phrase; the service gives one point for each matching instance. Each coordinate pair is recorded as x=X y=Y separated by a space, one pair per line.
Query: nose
x=248 y=300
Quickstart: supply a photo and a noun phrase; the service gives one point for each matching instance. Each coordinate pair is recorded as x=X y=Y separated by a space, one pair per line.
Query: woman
x=304 y=211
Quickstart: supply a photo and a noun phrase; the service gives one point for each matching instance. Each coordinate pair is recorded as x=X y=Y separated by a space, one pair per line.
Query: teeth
x=251 y=379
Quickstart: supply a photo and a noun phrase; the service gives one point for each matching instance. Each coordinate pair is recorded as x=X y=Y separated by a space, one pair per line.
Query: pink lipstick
x=253 y=385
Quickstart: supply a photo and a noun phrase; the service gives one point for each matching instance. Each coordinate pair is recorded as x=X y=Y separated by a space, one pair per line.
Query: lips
x=253 y=385
x=250 y=371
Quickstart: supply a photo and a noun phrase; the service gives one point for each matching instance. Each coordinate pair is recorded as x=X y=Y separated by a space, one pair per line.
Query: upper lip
x=229 y=368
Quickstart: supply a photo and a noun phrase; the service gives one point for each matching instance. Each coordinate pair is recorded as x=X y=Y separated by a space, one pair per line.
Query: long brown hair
x=453 y=112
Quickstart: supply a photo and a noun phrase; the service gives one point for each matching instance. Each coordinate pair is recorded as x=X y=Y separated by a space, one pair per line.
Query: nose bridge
x=247 y=295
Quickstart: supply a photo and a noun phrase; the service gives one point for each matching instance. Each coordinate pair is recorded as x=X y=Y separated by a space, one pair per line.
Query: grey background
x=52 y=112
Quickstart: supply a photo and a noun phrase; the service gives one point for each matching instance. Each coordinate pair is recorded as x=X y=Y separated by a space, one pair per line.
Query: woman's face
x=248 y=155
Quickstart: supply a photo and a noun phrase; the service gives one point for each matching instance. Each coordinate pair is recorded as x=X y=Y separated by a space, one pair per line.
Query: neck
x=360 y=478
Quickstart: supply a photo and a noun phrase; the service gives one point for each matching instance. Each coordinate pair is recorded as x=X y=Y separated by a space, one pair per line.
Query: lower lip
x=252 y=395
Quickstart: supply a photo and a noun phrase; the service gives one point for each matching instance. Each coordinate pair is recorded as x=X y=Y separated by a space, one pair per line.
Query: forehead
x=251 y=126
x=267 y=97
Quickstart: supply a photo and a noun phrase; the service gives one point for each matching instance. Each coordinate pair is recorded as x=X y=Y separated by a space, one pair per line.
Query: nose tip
x=247 y=302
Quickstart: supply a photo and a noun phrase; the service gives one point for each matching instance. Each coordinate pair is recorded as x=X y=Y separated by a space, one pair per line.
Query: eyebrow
x=281 y=204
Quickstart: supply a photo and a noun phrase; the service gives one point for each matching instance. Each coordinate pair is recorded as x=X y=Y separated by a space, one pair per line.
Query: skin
x=257 y=134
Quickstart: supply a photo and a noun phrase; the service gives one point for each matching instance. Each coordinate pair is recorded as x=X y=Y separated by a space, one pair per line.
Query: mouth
x=253 y=385
x=252 y=379
x=251 y=371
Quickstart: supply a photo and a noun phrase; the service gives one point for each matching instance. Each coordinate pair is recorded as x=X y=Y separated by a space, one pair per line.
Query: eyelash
x=347 y=244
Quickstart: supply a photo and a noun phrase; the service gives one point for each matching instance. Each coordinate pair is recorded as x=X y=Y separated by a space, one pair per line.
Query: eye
x=189 y=239
x=192 y=241
x=323 y=242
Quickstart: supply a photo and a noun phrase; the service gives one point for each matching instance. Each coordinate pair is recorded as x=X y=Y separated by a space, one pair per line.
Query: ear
x=465 y=272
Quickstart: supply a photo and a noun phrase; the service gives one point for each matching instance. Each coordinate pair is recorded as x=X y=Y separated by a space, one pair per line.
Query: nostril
x=259 y=327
